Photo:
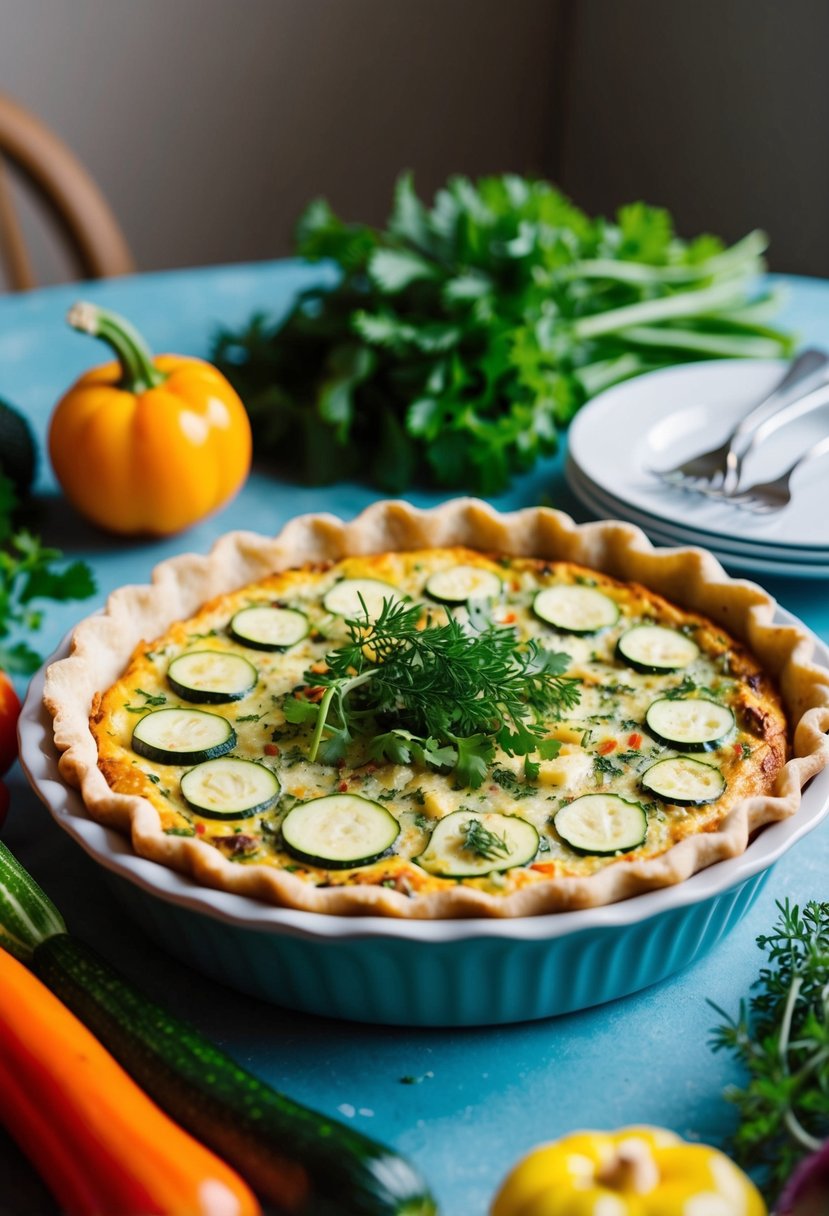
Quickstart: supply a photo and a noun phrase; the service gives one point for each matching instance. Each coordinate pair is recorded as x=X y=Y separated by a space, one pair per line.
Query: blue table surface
x=486 y=1095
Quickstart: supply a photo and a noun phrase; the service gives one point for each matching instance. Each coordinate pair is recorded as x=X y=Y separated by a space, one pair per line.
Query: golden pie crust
x=115 y=653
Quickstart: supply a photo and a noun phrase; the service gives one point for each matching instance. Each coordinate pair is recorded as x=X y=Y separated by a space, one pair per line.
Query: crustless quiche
x=448 y=728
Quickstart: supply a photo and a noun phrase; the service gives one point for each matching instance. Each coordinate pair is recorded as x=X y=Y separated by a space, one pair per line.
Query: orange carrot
x=102 y=1146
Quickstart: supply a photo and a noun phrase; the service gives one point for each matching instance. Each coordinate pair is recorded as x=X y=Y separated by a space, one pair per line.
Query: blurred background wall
x=210 y=123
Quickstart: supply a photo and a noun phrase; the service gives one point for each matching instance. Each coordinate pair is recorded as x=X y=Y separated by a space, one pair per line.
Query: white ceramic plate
x=755 y=563
x=732 y=561
x=689 y=535
x=658 y=420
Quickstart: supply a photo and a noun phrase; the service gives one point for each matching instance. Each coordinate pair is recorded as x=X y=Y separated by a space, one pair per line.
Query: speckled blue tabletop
x=484 y=1096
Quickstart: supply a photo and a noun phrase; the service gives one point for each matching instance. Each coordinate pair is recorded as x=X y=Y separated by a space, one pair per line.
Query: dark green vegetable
x=457 y=341
x=302 y=1161
x=781 y=1038
x=18 y=453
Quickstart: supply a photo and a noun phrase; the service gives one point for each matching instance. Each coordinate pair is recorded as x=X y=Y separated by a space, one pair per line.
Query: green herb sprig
x=29 y=572
x=781 y=1038
x=456 y=342
x=478 y=839
x=447 y=697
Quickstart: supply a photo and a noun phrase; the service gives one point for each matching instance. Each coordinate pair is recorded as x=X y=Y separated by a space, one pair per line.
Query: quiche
x=440 y=713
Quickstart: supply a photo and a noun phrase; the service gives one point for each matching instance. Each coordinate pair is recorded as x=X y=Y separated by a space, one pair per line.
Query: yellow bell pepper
x=637 y=1171
x=144 y=445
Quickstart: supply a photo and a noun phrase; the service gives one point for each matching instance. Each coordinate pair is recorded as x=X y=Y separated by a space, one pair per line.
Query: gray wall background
x=210 y=123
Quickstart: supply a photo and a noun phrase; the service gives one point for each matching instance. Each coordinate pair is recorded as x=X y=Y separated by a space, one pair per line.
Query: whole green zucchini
x=294 y=1157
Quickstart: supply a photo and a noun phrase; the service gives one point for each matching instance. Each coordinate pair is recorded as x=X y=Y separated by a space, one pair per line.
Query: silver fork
x=720 y=468
x=769 y=496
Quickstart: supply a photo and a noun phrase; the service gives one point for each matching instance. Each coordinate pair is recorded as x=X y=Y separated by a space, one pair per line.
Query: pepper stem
x=138 y=372
x=632 y=1169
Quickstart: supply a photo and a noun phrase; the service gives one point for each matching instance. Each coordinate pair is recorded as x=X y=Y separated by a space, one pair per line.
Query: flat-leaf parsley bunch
x=457 y=341
x=444 y=695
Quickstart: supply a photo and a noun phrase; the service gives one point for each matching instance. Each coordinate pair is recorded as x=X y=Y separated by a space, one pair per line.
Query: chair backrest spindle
x=80 y=211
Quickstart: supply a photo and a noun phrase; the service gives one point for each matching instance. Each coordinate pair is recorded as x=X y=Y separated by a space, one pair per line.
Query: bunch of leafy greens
x=437 y=694
x=459 y=339
x=28 y=572
x=782 y=1040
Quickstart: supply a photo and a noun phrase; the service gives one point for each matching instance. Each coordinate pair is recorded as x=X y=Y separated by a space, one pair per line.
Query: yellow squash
x=147 y=446
x=637 y=1171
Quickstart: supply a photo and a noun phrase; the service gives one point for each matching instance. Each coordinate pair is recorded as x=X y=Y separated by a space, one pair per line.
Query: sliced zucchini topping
x=230 y=788
x=354 y=597
x=684 y=781
x=692 y=724
x=461 y=583
x=265 y=627
x=183 y=736
x=602 y=823
x=467 y=845
x=575 y=609
x=340 y=831
x=653 y=649
x=211 y=676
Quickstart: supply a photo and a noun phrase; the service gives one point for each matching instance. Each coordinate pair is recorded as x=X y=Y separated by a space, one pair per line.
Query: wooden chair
x=79 y=210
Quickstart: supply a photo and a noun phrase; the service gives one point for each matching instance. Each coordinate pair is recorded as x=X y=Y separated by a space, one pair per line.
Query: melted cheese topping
x=605 y=745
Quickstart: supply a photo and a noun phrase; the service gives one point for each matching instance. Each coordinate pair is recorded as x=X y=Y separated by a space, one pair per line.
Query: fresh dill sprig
x=446 y=696
x=782 y=1040
x=484 y=843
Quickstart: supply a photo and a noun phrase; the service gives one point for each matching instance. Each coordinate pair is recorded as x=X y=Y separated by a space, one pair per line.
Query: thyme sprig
x=782 y=1040
x=441 y=694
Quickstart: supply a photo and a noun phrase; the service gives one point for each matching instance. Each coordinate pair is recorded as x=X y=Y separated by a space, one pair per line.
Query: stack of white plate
x=659 y=420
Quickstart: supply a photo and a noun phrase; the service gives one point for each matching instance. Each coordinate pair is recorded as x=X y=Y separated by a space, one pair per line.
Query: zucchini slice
x=210 y=677
x=461 y=583
x=684 y=781
x=467 y=845
x=182 y=736
x=344 y=598
x=571 y=608
x=602 y=823
x=690 y=724
x=653 y=649
x=230 y=788
x=339 y=831
x=265 y=627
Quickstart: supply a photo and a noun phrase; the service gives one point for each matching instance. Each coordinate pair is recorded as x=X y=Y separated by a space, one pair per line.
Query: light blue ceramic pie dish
x=421 y=973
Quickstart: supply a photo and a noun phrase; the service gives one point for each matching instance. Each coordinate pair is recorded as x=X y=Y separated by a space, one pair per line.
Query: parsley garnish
x=478 y=839
x=509 y=782
x=781 y=1037
x=683 y=689
x=452 y=697
x=28 y=572
x=150 y=699
x=603 y=764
